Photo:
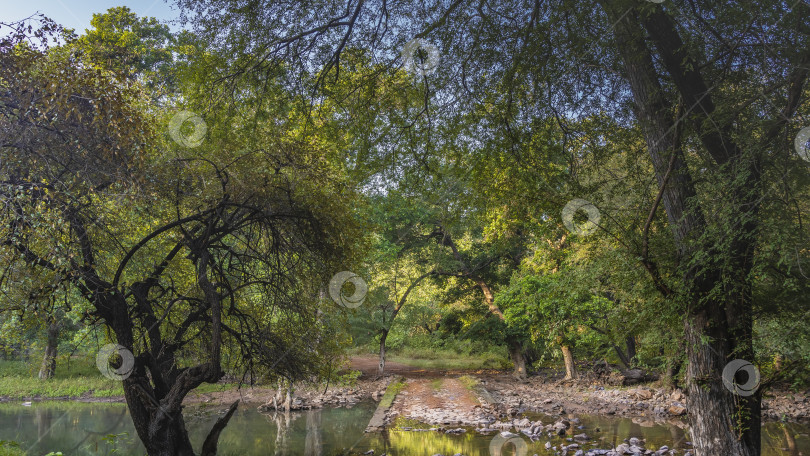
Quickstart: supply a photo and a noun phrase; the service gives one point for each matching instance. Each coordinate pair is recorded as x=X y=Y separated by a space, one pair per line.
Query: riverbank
x=437 y=396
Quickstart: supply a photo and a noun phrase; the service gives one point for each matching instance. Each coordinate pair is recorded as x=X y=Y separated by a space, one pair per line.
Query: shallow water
x=105 y=429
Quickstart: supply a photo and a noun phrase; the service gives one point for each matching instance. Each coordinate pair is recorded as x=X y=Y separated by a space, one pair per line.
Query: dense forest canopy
x=537 y=183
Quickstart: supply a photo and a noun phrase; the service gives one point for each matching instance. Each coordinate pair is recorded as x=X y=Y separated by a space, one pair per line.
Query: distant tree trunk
x=381 y=366
x=48 y=368
x=672 y=371
x=385 y=330
x=630 y=343
x=515 y=347
x=777 y=362
x=284 y=393
x=518 y=358
x=622 y=357
x=570 y=367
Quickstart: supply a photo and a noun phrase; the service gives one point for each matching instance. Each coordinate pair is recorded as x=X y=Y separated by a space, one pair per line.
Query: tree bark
x=717 y=325
x=381 y=366
x=48 y=368
x=570 y=367
x=518 y=358
x=162 y=433
x=630 y=343
x=209 y=447
x=672 y=371
x=515 y=347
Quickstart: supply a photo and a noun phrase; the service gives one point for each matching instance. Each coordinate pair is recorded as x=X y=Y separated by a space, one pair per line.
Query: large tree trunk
x=721 y=421
x=568 y=358
x=163 y=433
x=154 y=390
x=718 y=320
x=48 y=368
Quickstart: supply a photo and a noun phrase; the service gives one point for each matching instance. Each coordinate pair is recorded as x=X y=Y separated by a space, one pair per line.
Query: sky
x=76 y=14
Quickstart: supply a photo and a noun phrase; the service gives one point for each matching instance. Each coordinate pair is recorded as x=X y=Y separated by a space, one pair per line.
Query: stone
x=677 y=410
x=642 y=394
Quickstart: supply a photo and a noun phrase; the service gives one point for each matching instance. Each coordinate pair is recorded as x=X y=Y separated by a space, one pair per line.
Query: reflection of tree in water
x=44 y=419
x=282 y=422
x=781 y=439
x=110 y=430
x=313 y=446
x=791 y=442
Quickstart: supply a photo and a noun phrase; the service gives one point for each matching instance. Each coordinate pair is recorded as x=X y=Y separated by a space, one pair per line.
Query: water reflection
x=105 y=429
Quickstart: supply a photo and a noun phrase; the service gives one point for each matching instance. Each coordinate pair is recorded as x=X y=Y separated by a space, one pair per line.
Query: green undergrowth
x=470 y=382
x=18 y=380
x=449 y=360
x=10 y=448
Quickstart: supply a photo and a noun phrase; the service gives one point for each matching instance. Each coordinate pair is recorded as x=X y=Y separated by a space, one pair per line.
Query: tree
x=133 y=47
x=193 y=260
x=711 y=93
x=552 y=307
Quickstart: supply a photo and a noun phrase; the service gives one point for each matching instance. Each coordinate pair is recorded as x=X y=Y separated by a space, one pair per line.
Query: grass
x=80 y=377
x=471 y=383
x=449 y=360
x=9 y=448
x=391 y=393
x=18 y=379
x=436 y=383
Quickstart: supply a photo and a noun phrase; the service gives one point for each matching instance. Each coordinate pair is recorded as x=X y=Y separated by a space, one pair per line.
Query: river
x=106 y=429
